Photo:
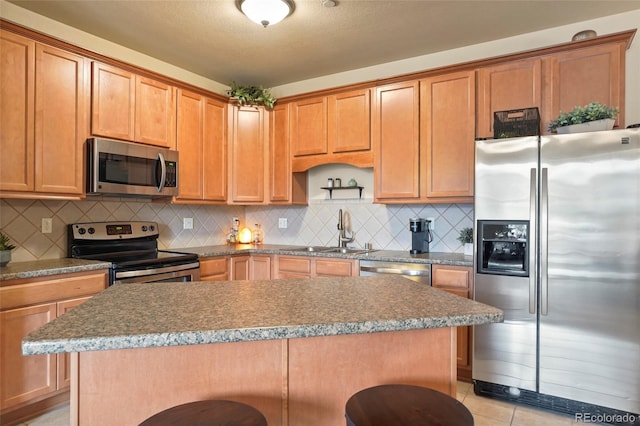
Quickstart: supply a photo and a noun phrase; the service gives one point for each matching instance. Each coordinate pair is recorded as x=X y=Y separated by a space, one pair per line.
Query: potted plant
x=5 y=249
x=588 y=118
x=466 y=238
x=251 y=95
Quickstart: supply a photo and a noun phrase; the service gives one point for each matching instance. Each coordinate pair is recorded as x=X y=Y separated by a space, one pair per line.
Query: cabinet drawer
x=214 y=266
x=66 y=286
x=340 y=268
x=300 y=265
x=450 y=276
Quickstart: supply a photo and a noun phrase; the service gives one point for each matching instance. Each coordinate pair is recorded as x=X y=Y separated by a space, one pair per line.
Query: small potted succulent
x=251 y=95
x=588 y=118
x=466 y=238
x=5 y=249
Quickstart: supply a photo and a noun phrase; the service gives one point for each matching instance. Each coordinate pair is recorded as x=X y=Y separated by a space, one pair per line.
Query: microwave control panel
x=171 y=178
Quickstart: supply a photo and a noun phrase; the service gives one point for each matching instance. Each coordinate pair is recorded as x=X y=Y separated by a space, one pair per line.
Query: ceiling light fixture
x=266 y=12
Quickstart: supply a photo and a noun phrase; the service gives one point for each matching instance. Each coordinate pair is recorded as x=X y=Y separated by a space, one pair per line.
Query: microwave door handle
x=163 y=174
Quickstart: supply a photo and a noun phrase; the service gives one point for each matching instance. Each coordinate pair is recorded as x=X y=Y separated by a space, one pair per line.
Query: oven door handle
x=156 y=271
x=163 y=174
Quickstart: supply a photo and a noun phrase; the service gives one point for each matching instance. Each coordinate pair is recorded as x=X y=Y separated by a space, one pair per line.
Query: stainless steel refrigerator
x=557 y=240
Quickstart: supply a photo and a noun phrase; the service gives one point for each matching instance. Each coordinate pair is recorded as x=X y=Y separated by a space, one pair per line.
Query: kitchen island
x=295 y=349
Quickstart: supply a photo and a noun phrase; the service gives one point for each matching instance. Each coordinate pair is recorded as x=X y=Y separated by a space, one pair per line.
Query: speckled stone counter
x=170 y=314
x=41 y=268
x=456 y=259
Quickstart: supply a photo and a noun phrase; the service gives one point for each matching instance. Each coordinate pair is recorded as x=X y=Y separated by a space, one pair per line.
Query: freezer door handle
x=544 y=229
x=533 y=186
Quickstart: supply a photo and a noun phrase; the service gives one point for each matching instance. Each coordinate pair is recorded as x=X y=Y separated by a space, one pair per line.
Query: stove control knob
x=81 y=231
x=152 y=228
x=144 y=228
x=92 y=231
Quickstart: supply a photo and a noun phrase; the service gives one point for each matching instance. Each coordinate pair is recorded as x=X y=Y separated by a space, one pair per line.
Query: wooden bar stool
x=405 y=405
x=208 y=413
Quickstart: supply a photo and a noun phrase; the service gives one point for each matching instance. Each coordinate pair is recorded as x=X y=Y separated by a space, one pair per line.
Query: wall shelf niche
x=339 y=188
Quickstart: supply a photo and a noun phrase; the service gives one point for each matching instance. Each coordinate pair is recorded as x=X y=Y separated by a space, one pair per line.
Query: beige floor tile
x=491 y=408
x=525 y=416
x=463 y=390
x=57 y=417
x=487 y=421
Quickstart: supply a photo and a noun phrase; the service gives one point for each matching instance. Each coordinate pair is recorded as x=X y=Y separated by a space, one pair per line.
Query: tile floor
x=486 y=412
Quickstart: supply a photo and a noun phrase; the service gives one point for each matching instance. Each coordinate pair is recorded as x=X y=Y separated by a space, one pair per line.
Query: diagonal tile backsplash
x=386 y=227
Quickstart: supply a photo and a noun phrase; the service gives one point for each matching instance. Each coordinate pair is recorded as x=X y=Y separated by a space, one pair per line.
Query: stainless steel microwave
x=129 y=169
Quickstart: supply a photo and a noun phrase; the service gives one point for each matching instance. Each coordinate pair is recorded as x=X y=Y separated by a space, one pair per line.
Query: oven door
x=165 y=273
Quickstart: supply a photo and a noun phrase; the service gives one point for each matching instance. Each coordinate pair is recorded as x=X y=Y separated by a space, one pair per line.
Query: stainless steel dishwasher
x=419 y=272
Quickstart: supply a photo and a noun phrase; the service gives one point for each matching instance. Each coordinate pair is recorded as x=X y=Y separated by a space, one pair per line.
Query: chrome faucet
x=342 y=235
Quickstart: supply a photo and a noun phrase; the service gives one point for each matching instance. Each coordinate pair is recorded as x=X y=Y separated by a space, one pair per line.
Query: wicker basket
x=516 y=122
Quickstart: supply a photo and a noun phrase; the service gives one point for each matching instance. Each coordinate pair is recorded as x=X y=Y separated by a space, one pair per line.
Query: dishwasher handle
x=396 y=271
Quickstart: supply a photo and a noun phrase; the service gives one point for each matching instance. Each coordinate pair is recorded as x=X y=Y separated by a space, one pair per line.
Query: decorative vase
x=590 y=126
x=5 y=257
x=468 y=249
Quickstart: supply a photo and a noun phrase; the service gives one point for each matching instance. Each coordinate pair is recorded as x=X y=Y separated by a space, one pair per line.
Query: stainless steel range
x=132 y=248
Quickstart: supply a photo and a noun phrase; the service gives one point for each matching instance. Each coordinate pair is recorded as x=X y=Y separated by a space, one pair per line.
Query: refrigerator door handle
x=544 y=229
x=533 y=187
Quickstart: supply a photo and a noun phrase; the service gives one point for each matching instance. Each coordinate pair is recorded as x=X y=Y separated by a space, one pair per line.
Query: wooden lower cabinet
x=251 y=267
x=310 y=267
x=214 y=268
x=458 y=280
x=31 y=385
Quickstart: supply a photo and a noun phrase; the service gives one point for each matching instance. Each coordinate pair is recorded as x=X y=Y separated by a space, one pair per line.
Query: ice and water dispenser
x=503 y=247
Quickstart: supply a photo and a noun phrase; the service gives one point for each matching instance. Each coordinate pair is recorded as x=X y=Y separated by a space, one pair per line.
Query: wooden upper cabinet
x=508 y=86
x=43 y=119
x=309 y=127
x=60 y=131
x=214 y=151
x=248 y=154
x=279 y=155
x=112 y=102
x=396 y=142
x=349 y=121
x=447 y=118
x=155 y=113
x=131 y=107
x=17 y=62
x=581 y=76
x=201 y=141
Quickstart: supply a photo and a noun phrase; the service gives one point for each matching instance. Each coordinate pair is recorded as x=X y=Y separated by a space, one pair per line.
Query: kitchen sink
x=311 y=249
x=323 y=249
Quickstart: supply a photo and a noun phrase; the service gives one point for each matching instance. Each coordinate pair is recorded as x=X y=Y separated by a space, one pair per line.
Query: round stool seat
x=405 y=405
x=208 y=413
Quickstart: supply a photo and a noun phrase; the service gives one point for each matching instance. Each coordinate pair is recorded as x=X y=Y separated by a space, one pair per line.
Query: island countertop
x=174 y=314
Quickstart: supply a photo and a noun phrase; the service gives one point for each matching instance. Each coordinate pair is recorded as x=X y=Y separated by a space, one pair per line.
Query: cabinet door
x=155 y=108
x=309 y=127
x=447 y=111
x=24 y=377
x=279 y=158
x=214 y=151
x=190 y=143
x=60 y=121
x=396 y=142
x=349 y=121
x=17 y=58
x=260 y=267
x=335 y=268
x=585 y=75
x=241 y=268
x=508 y=86
x=64 y=360
x=112 y=102
x=249 y=155
x=214 y=269
x=293 y=267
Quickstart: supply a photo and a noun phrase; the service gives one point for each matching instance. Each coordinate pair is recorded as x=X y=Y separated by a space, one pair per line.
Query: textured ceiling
x=213 y=39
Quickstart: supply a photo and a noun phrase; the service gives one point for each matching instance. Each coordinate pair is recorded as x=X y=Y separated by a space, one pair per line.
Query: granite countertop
x=172 y=314
x=457 y=259
x=42 y=268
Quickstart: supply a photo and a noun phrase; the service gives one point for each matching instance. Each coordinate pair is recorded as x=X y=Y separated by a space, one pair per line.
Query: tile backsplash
x=386 y=227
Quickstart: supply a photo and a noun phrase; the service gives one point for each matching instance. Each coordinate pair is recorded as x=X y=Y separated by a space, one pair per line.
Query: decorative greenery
x=251 y=95
x=466 y=236
x=583 y=114
x=5 y=243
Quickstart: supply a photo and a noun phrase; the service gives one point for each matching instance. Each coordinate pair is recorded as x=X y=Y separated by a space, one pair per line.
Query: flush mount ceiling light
x=266 y=12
